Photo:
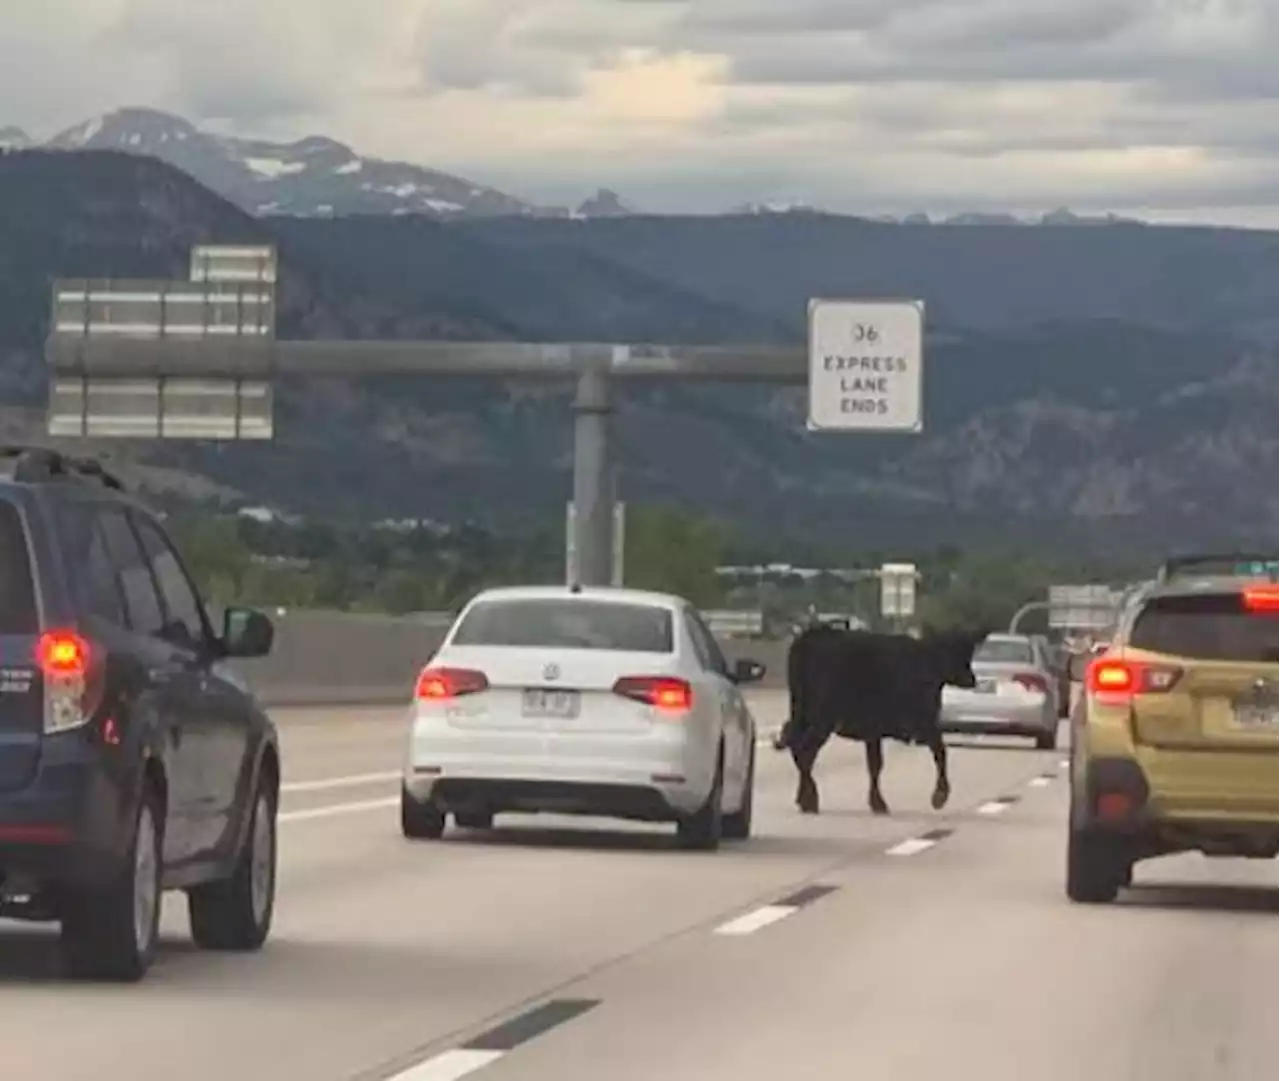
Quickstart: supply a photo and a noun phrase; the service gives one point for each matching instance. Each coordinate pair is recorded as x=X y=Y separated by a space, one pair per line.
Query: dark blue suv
x=133 y=759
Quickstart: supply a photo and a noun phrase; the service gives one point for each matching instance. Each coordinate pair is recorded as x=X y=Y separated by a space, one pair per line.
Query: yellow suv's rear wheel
x=1097 y=867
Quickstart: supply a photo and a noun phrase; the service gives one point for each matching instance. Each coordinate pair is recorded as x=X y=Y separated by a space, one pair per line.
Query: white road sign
x=898 y=590
x=866 y=368
x=1083 y=607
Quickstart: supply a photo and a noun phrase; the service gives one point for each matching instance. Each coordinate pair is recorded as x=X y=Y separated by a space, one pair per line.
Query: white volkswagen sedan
x=594 y=701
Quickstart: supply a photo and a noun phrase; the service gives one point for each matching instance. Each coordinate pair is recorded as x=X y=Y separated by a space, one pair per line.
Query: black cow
x=871 y=687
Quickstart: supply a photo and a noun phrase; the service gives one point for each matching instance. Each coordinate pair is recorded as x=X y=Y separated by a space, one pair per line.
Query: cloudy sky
x=1165 y=109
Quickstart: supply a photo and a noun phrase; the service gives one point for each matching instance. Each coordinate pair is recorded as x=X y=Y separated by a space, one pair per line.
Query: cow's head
x=952 y=654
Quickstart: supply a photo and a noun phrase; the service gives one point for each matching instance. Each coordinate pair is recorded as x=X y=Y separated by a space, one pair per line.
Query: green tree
x=986 y=591
x=214 y=553
x=673 y=551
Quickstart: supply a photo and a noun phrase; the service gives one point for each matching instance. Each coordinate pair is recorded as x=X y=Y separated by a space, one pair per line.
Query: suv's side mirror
x=747 y=671
x=246 y=632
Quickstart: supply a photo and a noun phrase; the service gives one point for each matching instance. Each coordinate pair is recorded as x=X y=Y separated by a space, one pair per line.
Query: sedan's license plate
x=1253 y=718
x=985 y=686
x=542 y=703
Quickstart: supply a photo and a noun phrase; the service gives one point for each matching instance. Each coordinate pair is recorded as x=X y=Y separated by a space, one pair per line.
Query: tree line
x=427 y=567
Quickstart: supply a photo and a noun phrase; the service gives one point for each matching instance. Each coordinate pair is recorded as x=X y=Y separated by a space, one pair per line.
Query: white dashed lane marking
x=339 y=809
x=764 y=916
x=450 y=1066
x=323 y=784
x=913 y=846
x=754 y=920
x=496 y=1043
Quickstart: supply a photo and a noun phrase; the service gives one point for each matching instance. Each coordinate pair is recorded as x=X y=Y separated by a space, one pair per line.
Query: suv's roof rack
x=36 y=464
x=1220 y=565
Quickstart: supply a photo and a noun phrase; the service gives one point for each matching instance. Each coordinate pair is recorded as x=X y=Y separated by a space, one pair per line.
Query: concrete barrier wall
x=340 y=658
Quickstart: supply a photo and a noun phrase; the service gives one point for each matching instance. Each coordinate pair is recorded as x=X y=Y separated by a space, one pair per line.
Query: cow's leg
x=875 y=767
x=807 y=787
x=941 y=787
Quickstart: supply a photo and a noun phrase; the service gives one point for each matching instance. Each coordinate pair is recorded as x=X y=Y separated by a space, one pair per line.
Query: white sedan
x=583 y=701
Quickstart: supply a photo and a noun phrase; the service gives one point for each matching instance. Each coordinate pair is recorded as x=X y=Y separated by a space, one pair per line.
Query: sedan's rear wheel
x=737 y=826
x=703 y=829
x=419 y=820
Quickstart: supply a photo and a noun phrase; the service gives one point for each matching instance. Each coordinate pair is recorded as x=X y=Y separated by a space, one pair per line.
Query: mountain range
x=1086 y=388
x=319 y=177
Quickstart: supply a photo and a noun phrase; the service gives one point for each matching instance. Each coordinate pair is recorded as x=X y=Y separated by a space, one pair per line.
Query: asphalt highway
x=919 y=946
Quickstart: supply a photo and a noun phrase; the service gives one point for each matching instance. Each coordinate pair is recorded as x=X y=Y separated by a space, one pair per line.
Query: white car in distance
x=607 y=702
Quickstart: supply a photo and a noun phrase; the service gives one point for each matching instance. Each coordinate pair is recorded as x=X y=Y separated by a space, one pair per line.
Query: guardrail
x=344 y=658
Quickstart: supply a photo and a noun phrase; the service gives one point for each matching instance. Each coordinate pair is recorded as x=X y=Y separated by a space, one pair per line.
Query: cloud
x=1155 y=107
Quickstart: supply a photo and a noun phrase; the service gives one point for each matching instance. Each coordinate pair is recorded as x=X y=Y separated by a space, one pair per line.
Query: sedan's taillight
x=440 y=684
x=666 y=693
x=1032 y=681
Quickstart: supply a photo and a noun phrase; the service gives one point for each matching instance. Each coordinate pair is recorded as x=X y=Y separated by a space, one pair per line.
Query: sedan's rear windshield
x=1004 y=651
x=567 y=624
x=1208 y=628
x=17 y=594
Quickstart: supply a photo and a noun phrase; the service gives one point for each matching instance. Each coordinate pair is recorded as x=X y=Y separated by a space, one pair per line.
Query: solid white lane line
x=334 y=809
x=911 y=847
x=1038 y=782
x=354 y=780
x=995 y=807
x=449 y=1065
x=757 y=918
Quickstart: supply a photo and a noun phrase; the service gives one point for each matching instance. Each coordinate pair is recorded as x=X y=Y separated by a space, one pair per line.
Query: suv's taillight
x=1111 y=677
x=666 y=693
x=439 y=684
x=64 y=659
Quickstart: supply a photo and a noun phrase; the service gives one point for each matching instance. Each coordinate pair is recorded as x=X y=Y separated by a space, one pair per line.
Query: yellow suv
x=1173 y=743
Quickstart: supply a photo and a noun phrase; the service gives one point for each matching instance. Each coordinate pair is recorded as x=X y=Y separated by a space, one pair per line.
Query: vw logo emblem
x=552 y=671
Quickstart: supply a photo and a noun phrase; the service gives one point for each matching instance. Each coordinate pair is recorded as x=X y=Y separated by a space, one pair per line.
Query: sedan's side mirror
x=246 y=632
x=747 y=671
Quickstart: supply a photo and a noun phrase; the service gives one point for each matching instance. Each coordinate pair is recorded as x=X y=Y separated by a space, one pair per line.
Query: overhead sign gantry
x=121 y=352
x=197 y=359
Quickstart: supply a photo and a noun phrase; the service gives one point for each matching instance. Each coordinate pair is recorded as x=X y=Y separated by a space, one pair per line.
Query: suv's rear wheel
x=1097 y=867
x=111 y=933
x=235 y=914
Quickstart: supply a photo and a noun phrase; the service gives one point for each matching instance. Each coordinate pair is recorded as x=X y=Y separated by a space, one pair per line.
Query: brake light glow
x=1111 y=677
x=72 y=692
x=1032 y=681
x=440 y=684
x=62 y=654
x=665 y=693
x=1262 y=599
